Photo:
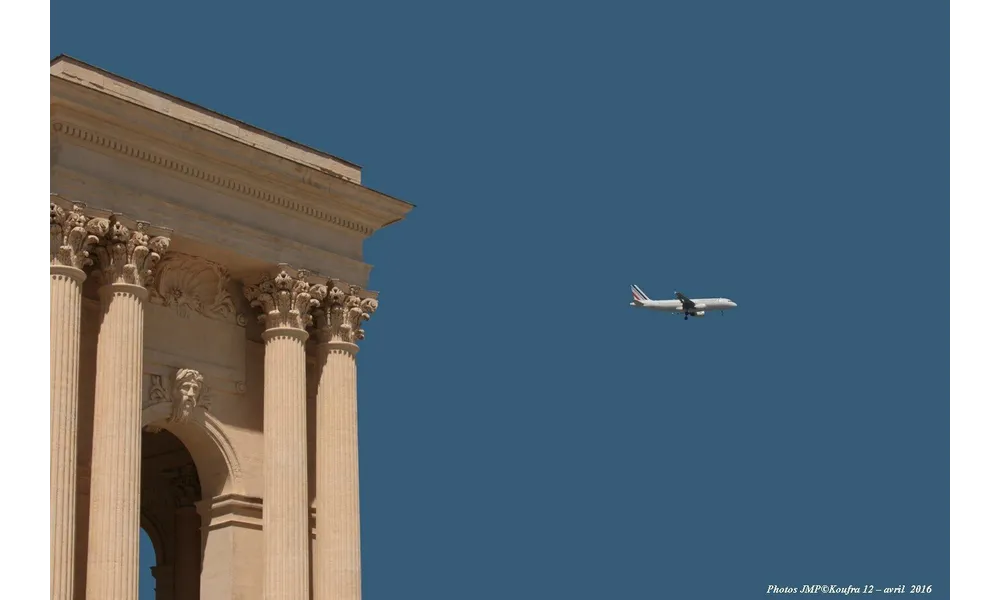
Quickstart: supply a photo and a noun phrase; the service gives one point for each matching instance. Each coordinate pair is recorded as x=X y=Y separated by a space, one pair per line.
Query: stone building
x=208 y=293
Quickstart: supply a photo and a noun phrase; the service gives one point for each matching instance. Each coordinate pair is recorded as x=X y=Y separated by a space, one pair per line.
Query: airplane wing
x=688 y=304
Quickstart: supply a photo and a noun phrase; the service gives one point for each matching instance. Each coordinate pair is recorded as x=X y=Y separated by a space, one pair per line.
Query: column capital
x=70 y=243
x=340 y=311
x=127 y=253
x=283 y=299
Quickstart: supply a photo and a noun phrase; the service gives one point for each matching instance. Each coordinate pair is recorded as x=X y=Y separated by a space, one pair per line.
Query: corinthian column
x=127 y=256
x=337 y=567
x=285 y=303
x=68 y=254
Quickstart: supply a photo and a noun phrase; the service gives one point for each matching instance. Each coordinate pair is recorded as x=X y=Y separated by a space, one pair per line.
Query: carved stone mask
x=187 y=390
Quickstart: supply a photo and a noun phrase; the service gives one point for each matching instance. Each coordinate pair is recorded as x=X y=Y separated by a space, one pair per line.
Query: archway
x=188 y=464
x=147 y=562
x=170 y=489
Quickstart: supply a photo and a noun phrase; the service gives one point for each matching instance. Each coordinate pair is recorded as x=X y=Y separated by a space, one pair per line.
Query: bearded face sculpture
x=187 y=389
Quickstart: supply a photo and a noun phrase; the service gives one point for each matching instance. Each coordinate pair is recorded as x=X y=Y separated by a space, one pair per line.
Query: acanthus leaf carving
x=284 y=299
x=340 y=313
x=191 y=283
x=70 y=243
x=126 y=255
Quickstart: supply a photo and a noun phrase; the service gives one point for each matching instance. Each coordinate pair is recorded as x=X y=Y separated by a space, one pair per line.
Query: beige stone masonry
x=69 y=254
x=230 y=441
x=126 y=255
x=285 y=304
x=337 y=564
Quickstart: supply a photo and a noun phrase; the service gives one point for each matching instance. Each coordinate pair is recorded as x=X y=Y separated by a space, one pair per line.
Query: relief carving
x=126 y=255
x=187 y=393
x=284 y=299
x=70 y=243
x=340 y=313
x=191 y=283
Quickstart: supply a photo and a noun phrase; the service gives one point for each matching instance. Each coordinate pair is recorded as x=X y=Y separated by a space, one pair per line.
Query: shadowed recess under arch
x=213 y=453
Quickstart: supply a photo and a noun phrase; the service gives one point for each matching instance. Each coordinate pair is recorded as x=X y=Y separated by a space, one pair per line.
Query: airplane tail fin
x=638 y=296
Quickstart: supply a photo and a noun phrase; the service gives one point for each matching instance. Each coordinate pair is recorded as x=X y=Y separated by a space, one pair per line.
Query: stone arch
x=213 y=453
x=155 y=537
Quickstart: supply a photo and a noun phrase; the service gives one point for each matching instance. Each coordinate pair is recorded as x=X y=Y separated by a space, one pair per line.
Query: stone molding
x=240 y=511
x=132 y=94
x=190 y=170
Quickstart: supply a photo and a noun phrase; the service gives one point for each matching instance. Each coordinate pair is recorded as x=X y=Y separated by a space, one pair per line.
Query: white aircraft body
x=683 y=305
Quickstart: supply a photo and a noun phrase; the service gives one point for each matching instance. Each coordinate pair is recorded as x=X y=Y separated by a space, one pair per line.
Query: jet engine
x=700 y=313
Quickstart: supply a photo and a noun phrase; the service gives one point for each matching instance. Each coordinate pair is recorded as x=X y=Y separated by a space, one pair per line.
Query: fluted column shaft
x=113 y=549
x=286 y=483
x=187 y=564
x=285 y=302
x=64 y=384
x=338 y=515
x=126 y=256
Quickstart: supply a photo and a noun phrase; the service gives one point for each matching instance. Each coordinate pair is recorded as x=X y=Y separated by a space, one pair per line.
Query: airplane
x=682 y=305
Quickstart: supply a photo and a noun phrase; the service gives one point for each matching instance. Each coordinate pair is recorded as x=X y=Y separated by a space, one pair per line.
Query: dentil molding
x=191 y=170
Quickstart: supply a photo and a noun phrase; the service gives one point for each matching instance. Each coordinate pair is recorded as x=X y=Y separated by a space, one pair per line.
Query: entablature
x=116 y=117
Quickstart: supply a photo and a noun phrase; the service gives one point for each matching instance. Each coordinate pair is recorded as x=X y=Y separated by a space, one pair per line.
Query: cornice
x=187 y=169
x=80 y=73
x=103 y=99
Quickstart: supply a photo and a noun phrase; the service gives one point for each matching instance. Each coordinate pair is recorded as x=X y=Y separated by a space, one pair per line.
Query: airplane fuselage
x=676 y=306
x=683 y=305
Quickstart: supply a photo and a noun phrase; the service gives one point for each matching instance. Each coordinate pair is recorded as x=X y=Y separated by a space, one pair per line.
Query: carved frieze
x=340 y=311
x=193 y=284
x=283 y=299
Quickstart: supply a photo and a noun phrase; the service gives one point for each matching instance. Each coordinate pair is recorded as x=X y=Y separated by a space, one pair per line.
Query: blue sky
x=524 y=433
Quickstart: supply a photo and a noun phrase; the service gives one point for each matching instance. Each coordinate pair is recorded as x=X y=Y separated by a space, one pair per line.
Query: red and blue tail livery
x=638 y=296
x=683 y=305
